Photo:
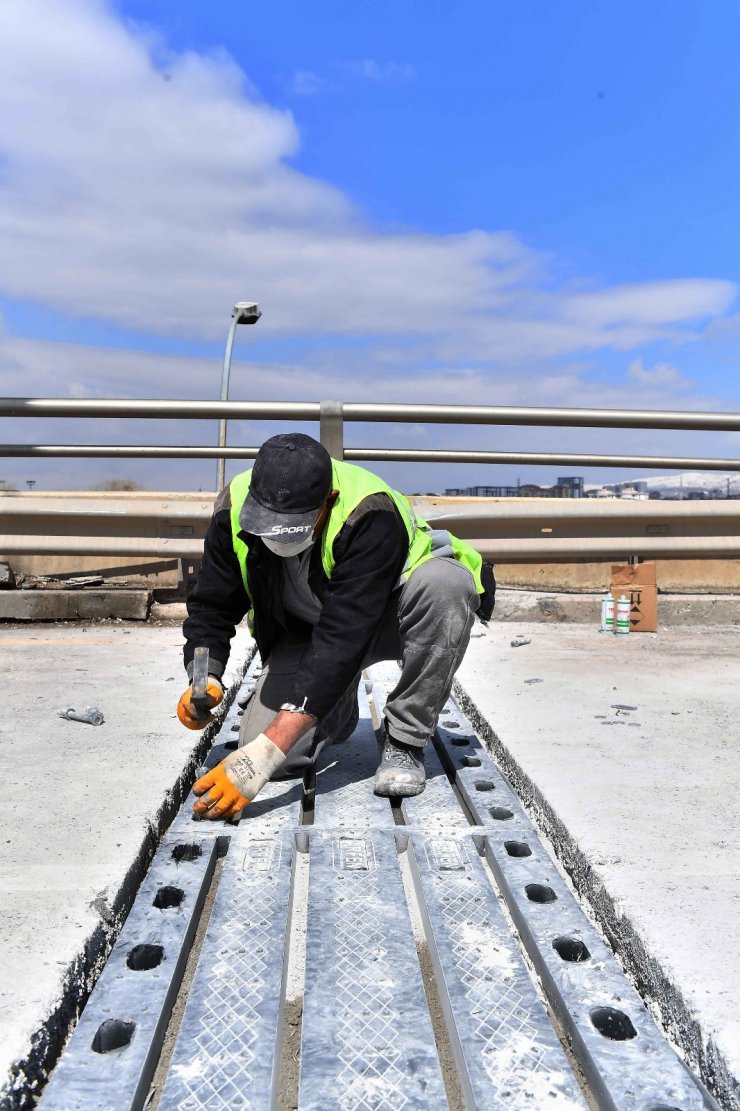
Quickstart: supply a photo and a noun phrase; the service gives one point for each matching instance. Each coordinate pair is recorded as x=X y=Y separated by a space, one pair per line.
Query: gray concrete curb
x=74 y=605
x=511 y=605
x=585 y=609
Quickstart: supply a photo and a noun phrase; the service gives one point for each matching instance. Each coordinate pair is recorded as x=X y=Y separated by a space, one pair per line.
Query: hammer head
x=199 y=699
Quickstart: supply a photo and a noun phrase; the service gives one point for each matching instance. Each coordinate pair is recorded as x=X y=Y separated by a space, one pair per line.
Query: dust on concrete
x=108 y=789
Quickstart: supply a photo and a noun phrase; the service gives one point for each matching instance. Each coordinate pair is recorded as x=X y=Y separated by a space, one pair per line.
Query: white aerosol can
x=607 y=613
x=622 y=624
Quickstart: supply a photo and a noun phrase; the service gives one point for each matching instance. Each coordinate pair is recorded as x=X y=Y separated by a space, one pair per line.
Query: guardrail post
x=331 y=423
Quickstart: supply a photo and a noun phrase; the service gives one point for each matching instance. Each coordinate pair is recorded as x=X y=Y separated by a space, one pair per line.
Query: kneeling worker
x=337 y=574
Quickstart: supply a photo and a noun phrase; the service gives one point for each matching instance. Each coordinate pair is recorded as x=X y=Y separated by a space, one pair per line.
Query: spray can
x=622 y=624
x=607 y=613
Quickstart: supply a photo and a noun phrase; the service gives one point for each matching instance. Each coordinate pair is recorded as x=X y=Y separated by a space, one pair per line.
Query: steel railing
x=505 y=529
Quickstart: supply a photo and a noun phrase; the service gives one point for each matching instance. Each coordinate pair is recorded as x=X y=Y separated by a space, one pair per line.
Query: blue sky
x=522 y=203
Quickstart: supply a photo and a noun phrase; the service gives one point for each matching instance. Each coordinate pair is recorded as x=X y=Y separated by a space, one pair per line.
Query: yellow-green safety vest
x=354 y=485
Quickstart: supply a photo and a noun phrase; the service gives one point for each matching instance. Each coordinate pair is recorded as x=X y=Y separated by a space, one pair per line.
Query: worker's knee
x=438 y=602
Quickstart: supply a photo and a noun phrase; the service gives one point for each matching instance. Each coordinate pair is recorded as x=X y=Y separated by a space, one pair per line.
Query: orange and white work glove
x=186 y=711
x=232 y=784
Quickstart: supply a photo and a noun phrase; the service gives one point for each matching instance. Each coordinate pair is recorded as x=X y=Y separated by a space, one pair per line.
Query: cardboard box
x=638 y=582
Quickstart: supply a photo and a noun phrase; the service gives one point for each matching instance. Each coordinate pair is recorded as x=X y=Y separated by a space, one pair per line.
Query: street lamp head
x=246 y=312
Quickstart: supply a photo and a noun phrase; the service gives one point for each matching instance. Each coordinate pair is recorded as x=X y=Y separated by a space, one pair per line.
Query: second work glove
x=232 y=784
x=186 y=711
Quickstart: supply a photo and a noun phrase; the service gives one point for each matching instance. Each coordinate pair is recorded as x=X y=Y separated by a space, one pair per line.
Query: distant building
x=568 y=487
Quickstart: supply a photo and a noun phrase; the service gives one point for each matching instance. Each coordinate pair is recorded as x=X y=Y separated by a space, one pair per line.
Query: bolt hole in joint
x=540 y=893
x=612 y=1024
x=168 y=897
x=500 y=813
x=144 y=957
x=484 y=785
x=186 y=853
x=460 y=742
x=470 y=762
x=113 y=1034
x=571 y=949
x=517 y=849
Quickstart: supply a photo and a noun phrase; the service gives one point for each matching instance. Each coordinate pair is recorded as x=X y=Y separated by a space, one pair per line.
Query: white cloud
x=381 y=73
x=660 y=376
x=307 y=83
x=651 y=303
x=153 y=189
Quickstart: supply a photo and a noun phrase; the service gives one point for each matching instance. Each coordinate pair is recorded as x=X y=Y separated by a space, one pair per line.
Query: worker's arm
x=218 y=600
x=235 y=782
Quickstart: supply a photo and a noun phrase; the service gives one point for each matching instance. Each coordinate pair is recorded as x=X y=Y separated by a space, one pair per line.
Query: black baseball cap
x=291 y=480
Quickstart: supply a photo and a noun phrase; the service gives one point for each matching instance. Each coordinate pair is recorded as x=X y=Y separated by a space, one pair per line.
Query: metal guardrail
x=171 y=526
x=332 y=415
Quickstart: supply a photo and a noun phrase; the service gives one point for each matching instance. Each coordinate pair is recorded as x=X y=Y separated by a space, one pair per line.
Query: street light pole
x=244 y=312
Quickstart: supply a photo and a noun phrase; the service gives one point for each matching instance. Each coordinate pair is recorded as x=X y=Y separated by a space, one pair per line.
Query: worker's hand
x=186 y=711
x=232 y=784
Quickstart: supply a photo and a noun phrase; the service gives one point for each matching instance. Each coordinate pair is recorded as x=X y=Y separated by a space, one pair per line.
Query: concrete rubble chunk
x=7 y=578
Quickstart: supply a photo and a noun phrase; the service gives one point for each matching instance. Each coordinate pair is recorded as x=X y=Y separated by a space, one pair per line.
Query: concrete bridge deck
x=641 y=805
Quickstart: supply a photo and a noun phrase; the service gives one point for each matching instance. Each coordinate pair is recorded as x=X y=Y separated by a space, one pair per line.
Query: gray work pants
x=426 y=627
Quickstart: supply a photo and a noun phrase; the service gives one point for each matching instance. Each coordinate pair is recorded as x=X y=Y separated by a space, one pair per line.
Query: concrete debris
x=519 y=642
x=91 y=715
x=81 y=581
x=7 y=578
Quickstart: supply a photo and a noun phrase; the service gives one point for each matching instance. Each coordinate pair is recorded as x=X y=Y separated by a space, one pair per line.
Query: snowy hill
x=710 y=483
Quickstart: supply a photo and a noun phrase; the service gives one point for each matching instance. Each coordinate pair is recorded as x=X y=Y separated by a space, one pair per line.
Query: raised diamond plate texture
x=367 y=1039
x=227 y=1044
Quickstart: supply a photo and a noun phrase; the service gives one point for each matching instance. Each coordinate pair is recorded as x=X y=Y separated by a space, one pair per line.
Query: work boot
x=401 y=770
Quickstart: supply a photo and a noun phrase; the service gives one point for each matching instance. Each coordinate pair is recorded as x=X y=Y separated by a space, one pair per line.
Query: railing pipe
x=545 y=459
x=567 y=418
x=387 y=455
x=357 y=411
x=158 y=409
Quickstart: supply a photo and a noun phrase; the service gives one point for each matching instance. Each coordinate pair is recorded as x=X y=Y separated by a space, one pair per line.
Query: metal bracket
x=331 y=422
